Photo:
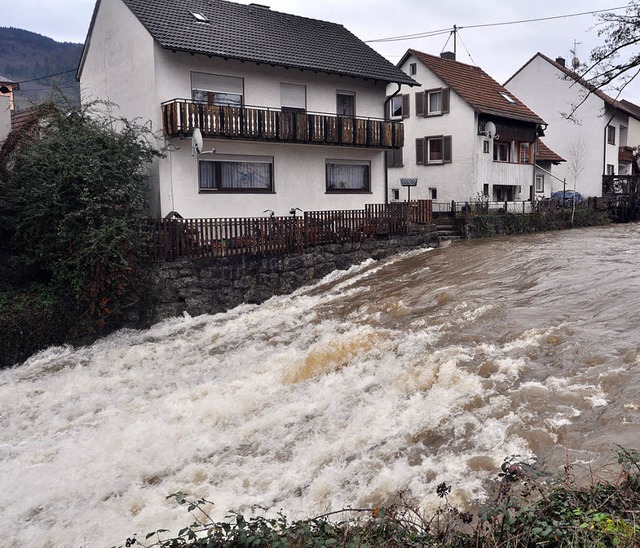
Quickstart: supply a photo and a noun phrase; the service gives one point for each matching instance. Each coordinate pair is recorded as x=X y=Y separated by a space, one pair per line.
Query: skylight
x=510 y=99
x=200 y=17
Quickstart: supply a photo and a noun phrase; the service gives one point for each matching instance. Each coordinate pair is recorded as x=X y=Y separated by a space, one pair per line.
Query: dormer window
x=200 y=17
x=507 y=97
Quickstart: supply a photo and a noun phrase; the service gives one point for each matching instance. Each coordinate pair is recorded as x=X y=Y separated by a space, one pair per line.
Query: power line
x=49 y=76
x=428 y=34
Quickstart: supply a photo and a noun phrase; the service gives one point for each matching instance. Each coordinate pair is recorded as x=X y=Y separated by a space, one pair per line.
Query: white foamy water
x=390 y=377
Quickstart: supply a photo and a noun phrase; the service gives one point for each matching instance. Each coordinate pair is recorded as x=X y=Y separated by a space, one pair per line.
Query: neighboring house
x=466 y=137
x=7 y=87
x=600 y=138
x=547 y=181
x=5 y=118
x=293 y=107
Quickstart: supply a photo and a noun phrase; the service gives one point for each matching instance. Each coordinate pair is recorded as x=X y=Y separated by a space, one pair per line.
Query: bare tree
x=576 y=163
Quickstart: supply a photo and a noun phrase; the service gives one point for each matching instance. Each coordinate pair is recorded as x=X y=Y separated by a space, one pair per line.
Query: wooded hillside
x=25 y=55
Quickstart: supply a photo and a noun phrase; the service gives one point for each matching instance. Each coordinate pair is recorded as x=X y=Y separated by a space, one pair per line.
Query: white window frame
x=539 y=183
x=434 y=93
x=396 y=105
x=611 y=135
x=436 y=160
x=497 y=147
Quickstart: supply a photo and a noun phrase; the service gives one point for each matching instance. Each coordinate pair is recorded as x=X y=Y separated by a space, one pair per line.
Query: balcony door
x=217 y=89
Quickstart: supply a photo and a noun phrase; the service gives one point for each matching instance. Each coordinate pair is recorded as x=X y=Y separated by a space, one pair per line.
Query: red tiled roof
x=625 y=106
x=477 y=88
x=22 y=118
x=545 y=154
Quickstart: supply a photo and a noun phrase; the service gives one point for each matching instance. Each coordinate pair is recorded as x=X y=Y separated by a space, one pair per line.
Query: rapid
x=392 y=376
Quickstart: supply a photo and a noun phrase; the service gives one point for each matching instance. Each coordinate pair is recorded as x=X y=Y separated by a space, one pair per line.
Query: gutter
x=386 y=167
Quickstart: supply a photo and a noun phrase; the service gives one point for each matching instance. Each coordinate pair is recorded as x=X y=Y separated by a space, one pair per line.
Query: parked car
x=566 y=197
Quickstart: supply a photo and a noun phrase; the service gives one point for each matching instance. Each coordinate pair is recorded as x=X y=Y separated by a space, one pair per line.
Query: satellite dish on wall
x=490 y=130
x=196 y=142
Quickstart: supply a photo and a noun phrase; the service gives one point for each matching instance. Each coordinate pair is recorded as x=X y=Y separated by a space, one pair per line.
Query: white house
x=600 y=137
x=466 y=137
x=291 y=109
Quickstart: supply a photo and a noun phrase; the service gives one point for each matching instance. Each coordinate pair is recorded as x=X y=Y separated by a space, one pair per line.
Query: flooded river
x=394 y=376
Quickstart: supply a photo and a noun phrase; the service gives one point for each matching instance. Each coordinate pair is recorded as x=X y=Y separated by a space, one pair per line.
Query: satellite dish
x=490 y=130
x=575 y=63
x=196 y=142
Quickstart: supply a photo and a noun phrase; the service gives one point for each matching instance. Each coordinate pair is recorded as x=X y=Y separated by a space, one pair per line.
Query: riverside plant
x=527 y=507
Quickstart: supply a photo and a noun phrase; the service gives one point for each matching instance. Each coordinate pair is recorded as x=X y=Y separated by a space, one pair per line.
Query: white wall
x=5 y=117
x=546 y=91
x=298 y=176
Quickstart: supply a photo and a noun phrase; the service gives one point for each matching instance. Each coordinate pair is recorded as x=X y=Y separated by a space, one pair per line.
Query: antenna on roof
x=575 y=62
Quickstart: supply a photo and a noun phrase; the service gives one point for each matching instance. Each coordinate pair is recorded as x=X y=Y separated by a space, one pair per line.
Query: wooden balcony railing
x=625 y=154
x=181 y=116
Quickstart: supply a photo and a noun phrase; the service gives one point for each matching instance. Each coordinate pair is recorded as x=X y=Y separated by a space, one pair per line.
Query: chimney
x=450 y=55
x=560 y=60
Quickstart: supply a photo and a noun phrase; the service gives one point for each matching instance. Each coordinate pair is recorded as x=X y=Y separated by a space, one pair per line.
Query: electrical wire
x=428 y=34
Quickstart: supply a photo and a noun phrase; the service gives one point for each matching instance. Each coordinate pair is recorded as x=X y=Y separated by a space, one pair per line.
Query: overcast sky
x=499 y=49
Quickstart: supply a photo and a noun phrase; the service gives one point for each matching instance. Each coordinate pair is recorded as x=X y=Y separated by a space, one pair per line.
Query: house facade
x=466 y=137
x=593 y=132
x=290 y=109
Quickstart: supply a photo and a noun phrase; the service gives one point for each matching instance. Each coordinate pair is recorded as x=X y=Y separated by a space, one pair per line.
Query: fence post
x=453 y=208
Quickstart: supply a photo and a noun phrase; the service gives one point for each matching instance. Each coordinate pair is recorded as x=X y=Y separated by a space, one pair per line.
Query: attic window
x=200 y=17
x=510 y=99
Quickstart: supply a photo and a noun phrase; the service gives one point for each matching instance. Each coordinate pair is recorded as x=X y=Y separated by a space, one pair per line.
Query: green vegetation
x=526 y=508
x=498 y=223
x=73 y=199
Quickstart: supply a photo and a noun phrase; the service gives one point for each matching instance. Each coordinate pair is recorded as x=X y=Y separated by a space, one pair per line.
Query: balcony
x=625 y=154
x=181 y=116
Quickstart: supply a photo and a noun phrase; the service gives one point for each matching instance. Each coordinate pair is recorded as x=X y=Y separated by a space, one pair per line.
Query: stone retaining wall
x=215 y=285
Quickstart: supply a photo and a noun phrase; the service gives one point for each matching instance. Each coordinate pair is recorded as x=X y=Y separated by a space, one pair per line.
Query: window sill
x=233 y=191
x=347 y=191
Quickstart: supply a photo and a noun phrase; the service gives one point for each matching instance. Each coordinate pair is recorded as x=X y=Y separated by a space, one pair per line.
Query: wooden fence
x=223 y=237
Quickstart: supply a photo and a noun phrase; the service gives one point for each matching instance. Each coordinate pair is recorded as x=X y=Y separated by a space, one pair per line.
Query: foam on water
x=287 y=405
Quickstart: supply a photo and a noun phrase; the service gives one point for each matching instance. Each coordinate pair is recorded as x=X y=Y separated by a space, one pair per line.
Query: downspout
x=386 y=167
x=604 y=152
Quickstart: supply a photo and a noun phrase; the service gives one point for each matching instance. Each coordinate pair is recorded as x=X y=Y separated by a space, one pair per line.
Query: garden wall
x=209 y=286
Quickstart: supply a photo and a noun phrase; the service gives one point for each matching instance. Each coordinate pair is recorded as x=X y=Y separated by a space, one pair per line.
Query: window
x=485 y=147
x=611 y=135
x=524 y=149
x=399 y=107
x=510 y=99
x=346 y=103
x=501 y=152
x=348 y=176
x=200 y=17
x=413 y=69
x=610 y=169
x=236 y=174
x=293 y=97
x=433 y=193
x=433 y=150
x=217 y=89
x=394 y=158
x=395 y=194
x=539 y=183
x=432 y=102
x=485 y=189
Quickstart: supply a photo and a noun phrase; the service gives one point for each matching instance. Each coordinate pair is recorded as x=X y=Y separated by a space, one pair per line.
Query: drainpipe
x=386 y=168
x=604 y=153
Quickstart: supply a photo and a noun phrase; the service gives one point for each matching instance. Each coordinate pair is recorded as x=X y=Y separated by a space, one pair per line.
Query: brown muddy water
x=395 y=376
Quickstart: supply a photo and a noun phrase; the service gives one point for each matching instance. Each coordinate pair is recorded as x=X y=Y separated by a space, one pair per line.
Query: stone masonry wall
x=208 y=286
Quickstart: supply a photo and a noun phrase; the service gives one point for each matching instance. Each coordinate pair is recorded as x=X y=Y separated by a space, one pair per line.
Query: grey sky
x=499 y=50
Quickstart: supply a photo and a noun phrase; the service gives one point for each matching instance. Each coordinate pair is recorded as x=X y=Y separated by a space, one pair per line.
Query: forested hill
x=25 y=55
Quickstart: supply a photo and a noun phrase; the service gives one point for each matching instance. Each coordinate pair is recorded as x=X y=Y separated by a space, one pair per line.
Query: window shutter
x=420 y=103
x=405 y=105
x=217 y=82
x=420 y=144
x=445 y=100
x=387 y=110
x=293 y=96
x=446 y=149
x=394 y=158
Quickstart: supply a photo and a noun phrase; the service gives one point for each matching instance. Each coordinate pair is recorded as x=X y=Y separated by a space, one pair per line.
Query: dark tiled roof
x=545 y=154
x=254 y=33
x=5 y=80
x=477 y=88
x=626 y=106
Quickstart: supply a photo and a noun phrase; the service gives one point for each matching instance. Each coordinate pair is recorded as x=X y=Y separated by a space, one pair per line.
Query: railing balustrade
x=181 y=116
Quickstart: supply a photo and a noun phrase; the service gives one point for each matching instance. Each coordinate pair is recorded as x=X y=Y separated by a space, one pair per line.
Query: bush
x=527 y=508
x=74 y=198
